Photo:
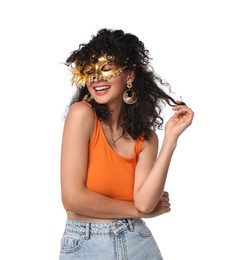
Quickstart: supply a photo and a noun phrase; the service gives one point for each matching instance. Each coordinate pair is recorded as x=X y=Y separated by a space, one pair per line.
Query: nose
x=95 y=79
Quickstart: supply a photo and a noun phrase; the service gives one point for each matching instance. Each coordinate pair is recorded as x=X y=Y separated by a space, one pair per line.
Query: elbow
x=143 y=207
x=72 y=200
x=67 y=204
x=70 y=204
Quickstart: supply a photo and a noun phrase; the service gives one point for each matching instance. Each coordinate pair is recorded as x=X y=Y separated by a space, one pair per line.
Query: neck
x=115 y=111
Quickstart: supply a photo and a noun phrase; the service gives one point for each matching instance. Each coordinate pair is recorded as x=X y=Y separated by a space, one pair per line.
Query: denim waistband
x=100 y=228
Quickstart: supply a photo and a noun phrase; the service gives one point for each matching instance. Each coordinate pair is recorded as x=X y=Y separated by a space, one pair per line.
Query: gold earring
x=129 y=96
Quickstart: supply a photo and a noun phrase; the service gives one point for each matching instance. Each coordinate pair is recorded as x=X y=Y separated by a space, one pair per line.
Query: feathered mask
x=105 y=68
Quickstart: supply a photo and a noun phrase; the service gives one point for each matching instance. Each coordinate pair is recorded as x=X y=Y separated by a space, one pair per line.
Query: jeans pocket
x=142 y=229
x=71 y=243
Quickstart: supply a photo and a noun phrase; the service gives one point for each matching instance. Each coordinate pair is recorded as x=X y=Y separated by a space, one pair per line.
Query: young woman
x=112 y=174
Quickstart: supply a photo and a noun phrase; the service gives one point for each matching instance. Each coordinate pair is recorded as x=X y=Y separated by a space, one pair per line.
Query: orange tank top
x=109 y=173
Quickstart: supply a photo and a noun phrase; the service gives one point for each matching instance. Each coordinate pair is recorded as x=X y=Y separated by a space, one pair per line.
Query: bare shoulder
x=80 y=116
x=80 y=109
x=152 y=142
x=150 y=147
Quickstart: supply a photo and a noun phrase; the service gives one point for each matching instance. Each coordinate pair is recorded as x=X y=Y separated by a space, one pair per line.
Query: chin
x=101 y=100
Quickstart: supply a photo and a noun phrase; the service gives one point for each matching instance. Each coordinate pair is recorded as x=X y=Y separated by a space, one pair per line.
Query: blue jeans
x=122 y=239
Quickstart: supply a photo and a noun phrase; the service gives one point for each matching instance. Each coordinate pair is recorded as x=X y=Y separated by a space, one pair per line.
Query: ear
x=131 y=76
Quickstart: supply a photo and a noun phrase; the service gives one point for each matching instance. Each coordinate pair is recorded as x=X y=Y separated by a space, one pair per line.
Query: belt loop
x=131 y=226
x=87 y=234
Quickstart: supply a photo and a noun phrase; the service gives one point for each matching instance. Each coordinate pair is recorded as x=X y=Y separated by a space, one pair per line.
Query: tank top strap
x=97 y=126
x=138 y=144
x=85 y=102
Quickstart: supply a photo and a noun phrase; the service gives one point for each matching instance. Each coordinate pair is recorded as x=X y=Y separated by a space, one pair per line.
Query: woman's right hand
x=162 y=207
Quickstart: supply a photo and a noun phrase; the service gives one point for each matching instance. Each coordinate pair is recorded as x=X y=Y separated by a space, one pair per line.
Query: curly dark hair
x=145 y=114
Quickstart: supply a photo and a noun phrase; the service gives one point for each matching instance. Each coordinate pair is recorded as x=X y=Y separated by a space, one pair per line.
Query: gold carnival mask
x=105 y=68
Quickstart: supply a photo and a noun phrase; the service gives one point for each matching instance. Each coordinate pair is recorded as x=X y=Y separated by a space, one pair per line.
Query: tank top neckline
x=132 y=157
x=97 y=124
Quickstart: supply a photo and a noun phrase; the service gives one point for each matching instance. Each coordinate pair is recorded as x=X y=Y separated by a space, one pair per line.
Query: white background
x=191 y=44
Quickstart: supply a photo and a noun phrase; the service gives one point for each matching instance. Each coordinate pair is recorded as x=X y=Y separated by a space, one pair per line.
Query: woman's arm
x=76 y=197
x=151 y=172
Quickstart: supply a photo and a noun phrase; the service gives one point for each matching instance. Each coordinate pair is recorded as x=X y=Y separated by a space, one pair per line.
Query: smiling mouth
x=101 y=88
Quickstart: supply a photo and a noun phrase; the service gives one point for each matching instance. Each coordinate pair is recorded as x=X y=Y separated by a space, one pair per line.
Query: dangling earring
x=88 y=97
x=129 y=96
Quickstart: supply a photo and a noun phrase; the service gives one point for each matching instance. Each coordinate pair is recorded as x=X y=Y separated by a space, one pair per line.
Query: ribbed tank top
x=109 y=173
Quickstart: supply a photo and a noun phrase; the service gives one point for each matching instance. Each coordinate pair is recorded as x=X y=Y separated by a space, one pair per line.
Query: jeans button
x=118 y=225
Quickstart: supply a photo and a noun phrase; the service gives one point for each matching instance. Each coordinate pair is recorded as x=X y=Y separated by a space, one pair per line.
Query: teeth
x=101 y=88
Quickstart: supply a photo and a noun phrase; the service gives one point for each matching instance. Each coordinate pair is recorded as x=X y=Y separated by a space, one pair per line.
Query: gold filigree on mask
x=104 y=69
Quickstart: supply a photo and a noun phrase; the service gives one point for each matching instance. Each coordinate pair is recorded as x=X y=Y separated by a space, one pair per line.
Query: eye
x=88 y=69
x=108 y=67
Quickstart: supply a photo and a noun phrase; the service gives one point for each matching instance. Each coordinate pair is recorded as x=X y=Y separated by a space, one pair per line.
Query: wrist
x=170 y=140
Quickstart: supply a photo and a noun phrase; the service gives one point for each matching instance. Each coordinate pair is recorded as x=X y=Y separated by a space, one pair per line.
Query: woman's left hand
x=179 y=121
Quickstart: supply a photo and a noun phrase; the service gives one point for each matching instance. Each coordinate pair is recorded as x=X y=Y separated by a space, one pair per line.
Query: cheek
x=88 y=87
x=120 y=81
x=122 y=84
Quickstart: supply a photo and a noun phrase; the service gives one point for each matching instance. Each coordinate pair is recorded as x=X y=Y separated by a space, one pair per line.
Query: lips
x=101 y=88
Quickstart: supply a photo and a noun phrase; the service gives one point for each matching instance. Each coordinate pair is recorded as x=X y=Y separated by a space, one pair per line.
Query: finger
x=163 y=207
x=165 y=197
x=184 y=111
x=163 y=200
x=163 y=210
x=164 y=204
x=182 y=107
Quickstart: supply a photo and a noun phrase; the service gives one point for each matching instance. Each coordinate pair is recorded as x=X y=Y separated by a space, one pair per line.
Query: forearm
x=148 y=195
x=91 y=204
